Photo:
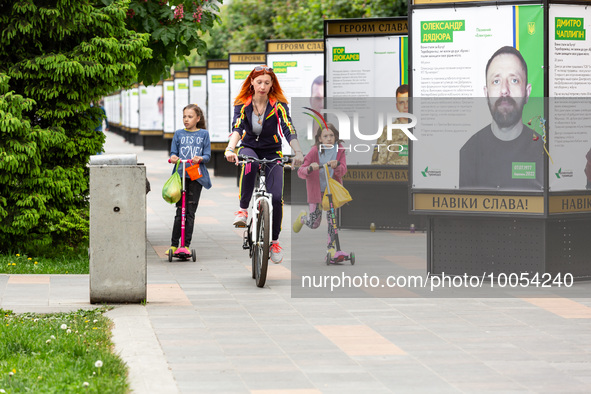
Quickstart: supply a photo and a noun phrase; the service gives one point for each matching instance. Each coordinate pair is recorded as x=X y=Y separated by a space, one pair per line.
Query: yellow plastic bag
x=171 y=191
x=340 y=195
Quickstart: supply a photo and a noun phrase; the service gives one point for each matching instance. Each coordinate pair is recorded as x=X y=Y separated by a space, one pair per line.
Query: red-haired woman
x=261 y=117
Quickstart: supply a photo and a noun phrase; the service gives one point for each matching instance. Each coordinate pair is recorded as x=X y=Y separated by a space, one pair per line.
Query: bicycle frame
x=260 y=193
x=257 y=236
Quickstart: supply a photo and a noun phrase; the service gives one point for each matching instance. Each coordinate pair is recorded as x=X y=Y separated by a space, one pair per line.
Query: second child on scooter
x=326 y=150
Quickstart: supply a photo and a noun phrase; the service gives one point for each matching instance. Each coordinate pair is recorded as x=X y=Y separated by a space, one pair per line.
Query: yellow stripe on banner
x=516 y=27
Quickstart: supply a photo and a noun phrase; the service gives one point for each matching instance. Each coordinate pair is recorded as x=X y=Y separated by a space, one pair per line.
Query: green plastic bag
x=171 y=191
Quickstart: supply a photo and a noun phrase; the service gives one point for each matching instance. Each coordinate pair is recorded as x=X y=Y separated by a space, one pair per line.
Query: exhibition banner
x=151 y=110
x=125 y=109
x=198 y=88
x=368 y=66
x=368 y=59
x=134 y=108
x=570 y=92
x=299 y=67
x=168 y=96
x=181 y=97
x=453 y=78
x=240 y=65
x=218 y=99
x=113 y=108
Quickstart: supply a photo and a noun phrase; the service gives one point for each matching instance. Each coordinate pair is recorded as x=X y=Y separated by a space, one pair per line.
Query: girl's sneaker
x=276 y=252
x=241 y=218
x=299 y=222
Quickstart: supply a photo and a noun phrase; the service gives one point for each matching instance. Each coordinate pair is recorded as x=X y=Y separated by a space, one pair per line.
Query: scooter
x=182 y=252
x=334 y=254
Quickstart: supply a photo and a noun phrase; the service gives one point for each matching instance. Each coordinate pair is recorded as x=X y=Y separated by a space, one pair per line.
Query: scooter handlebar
x=190 y=161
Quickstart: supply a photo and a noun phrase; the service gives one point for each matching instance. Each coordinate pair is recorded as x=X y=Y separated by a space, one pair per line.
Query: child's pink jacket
x=313 y=178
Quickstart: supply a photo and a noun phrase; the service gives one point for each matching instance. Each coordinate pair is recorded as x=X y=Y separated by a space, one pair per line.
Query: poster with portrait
x=198 y=88
x=151 y=108
x=570 y=97
x=168 y=96
x=365 y=66
x=450 y=52
x=299 y=67
x=365 y=59
x=218 y=99
x=181 y=97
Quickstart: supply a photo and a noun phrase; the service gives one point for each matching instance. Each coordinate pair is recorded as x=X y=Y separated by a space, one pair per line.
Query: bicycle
x=260 y=218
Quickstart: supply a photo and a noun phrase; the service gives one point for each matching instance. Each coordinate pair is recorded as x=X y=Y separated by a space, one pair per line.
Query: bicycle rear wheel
x=260 y=257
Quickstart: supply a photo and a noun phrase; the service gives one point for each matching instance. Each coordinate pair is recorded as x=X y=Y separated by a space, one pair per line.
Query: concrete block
x=118 y=269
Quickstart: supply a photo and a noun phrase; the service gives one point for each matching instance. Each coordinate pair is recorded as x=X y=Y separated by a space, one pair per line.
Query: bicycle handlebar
x=249 y=159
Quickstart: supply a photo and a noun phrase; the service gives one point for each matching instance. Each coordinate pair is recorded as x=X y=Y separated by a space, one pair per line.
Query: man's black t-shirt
x=489 y=163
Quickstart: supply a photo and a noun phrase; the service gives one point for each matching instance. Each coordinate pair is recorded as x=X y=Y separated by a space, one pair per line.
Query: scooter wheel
x=170 y=253
x=193 y=255
x=352 y=258
x=328 y=257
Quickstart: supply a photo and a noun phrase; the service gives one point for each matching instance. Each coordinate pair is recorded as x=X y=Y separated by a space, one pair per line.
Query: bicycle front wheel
x=260 y=257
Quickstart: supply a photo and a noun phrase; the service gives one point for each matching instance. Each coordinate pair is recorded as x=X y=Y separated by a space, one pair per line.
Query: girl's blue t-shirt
x=188 y=144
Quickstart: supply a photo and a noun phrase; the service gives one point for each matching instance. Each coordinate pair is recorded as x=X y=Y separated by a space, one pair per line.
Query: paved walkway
x=206 y=328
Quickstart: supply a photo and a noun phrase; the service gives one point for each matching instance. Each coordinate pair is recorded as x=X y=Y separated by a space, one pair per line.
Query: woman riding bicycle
x=261 y=117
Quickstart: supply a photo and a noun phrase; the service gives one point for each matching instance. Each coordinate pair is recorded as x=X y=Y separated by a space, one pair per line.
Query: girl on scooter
x=192 y=143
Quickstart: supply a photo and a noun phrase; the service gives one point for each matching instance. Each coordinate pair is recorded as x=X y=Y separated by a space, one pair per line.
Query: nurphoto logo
x=345 y=125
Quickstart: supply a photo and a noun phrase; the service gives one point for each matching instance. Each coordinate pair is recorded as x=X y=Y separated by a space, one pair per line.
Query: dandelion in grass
x=68 y=331
x=18 y=255
x=48 y=341
x=36 y=262
x=85 y=384
x=98 y=364
x=52 y=337
x=28 y=258
x=64 y=326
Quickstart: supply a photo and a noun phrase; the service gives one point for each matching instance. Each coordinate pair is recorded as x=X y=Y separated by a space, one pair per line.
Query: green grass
x=59 y=353
x=67 y=263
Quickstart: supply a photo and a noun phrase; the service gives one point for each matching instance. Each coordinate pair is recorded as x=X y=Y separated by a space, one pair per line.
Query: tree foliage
x=246 y=24
x=56 y=57
x=175 y=28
